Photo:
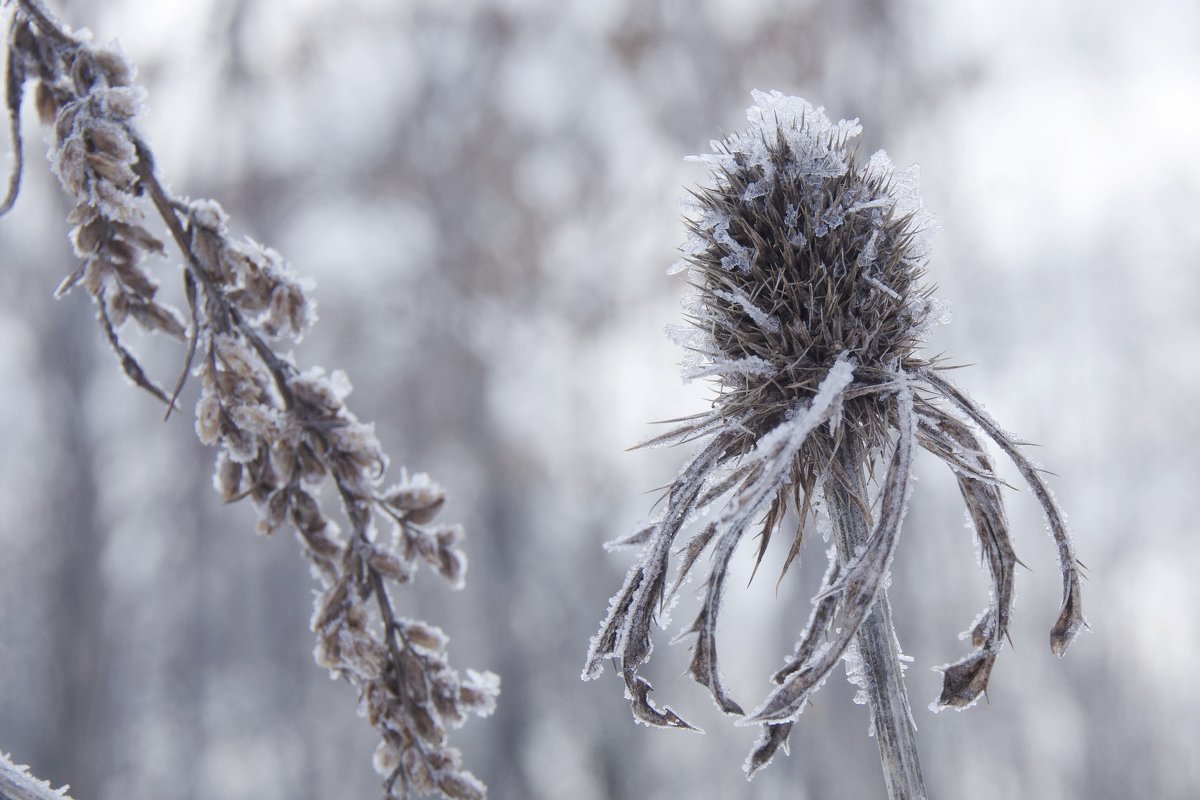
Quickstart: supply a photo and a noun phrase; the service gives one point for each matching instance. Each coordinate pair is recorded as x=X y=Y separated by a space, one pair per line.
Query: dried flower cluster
x=808 y=311
x=283 y=433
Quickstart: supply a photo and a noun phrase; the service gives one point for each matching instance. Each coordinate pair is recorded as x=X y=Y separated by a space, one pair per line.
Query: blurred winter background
x=486 y=194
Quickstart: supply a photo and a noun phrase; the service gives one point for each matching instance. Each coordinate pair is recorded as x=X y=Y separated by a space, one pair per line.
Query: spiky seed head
x=798 y=253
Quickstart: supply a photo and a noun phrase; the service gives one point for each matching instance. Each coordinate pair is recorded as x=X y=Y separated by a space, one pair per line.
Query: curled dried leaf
x=647 y=712
x=1069 y=623
x=773 y=739
x=964 y=681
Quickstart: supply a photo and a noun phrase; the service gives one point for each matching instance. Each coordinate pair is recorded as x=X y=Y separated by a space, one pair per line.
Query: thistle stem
x=876 y=639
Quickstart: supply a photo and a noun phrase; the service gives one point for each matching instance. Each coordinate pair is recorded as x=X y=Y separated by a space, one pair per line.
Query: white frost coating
x=713 y=227
x=825 y=527
x=688 y=337
x=640 y=536
x=829 y=221
x=835 y=416
x=17 y=782
x=969 y=633
x=814 y=140
x=748 y=764
x=879 y=202
x=761 y=318
x=904 y=194
x=904 y=662
x=856 y=673
x=665 y=609
x=883 y=287
x=594 y=665
x=870 y=250
x=938 y=311
x=927 y=313
x=791 y=216
x=776 y=448
x=749 y=366
x=937 y=709
x=969 y=524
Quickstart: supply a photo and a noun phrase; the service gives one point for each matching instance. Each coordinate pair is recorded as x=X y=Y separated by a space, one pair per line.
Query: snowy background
x=487 y=195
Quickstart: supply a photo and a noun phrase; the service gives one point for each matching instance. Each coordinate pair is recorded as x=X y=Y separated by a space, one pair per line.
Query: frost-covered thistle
x=283 y=433
x=808 y=310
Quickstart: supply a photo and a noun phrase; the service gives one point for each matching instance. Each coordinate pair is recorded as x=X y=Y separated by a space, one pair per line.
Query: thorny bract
x=283 y=433
x=807 y=310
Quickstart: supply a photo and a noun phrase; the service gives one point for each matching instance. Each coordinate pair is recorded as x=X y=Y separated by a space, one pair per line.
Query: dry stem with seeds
x=807 y=311
x=283 y=433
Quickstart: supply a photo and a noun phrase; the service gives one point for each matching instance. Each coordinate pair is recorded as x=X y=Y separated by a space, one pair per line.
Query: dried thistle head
x=807 y=310
x=799 y=255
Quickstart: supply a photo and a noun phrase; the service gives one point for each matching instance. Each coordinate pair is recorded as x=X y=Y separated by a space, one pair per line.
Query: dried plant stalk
x=283 y=433
x=876 y=643
x=807 y=312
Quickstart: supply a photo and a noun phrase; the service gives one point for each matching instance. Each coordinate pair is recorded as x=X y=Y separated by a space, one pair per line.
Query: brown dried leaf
x=1070 y=620
x=774 y=738
x=604 y=645
x=965 y=680
x=704 y=667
